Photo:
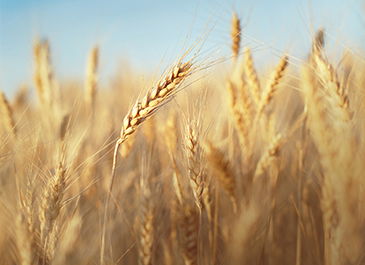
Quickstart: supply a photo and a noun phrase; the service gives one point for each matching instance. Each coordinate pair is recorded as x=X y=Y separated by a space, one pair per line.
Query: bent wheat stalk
x=155 y=98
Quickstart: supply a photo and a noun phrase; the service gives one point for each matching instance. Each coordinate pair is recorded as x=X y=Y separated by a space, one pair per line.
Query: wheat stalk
x=338 y=173
x=155 y=98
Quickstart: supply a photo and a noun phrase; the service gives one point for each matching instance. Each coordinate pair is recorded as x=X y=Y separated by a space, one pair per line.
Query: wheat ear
x=195 y=172
x=43 y=74
x=146 y=226
x=318 y=41
x=50 y=207
x=7 y=113
x=242 y=114
x=225 y=174
x=268 y=161
x=189 y=225
x=91 y=77
x=271 y=88
x=329 y=79
x=235 y=35
x=251 y=74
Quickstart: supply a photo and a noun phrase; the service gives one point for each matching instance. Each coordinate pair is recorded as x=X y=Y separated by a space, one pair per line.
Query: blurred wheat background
x=233 y=150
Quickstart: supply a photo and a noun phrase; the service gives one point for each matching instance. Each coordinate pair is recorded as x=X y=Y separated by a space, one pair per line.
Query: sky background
x=148 y=34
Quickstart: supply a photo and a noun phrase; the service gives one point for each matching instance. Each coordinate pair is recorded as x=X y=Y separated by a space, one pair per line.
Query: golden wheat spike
x=252 y=79
x=273 y=82
x=64 y=126
x=43 y=75
x=189 y=225
x=51 y=201
x=146 y=226
x=224 y=172
x=196 y=175
x=7 y=114
x=235 y=35
x=37 y=76
x=318 y=41
x=329 y=79
x=154 y=99
x=91 y=77
x=335 y=156
x=21 y=97
x=47 y=73
x=242 y=114
x=268 y=160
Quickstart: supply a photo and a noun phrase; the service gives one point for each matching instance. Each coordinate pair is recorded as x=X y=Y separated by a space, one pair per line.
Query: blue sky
x=149 y=33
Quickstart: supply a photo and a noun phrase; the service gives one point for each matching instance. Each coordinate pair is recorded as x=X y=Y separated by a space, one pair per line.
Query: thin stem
x=107 y=200
x=200 y=236
x=215 y=225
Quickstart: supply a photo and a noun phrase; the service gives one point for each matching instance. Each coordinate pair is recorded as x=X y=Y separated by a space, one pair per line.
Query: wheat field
x=246 y=167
